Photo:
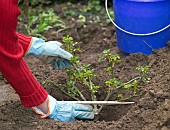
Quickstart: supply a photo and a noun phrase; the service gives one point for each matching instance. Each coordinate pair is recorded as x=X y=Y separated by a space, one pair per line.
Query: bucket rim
x=132 y=33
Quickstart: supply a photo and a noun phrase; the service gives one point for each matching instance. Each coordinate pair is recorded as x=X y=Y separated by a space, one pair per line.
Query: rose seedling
x=83 y=75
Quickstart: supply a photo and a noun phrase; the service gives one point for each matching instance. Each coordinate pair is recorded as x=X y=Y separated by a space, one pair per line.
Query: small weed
x=108 y=21
x=88 y=12
x=43 y=22
x=81 y=19
x=92 y=6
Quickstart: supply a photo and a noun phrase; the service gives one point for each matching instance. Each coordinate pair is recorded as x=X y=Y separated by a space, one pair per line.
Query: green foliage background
x=37 y=2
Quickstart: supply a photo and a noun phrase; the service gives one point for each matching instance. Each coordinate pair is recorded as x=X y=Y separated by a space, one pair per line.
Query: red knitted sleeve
x=24 y=41
x=12 y=66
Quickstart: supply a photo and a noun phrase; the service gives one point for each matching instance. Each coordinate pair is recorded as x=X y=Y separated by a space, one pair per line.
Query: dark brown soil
x=151 y=111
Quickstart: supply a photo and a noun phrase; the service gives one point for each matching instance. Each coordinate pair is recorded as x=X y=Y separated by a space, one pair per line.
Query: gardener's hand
x=50 y=52
x=66 y=112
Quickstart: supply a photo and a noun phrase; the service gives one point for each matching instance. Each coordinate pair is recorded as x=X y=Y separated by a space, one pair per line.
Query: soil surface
x=151 y=111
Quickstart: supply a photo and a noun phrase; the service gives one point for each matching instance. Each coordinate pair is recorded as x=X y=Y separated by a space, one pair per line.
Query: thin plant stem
x=81 y=95
x=75 y=68
x=111 y=92
x=90 y=87
x=135 y=95
x=132 y=80
x=79 y=73
x=113 y=73
x=93 y=96
x=60 y=30
x=106 y=99
x=57 y=85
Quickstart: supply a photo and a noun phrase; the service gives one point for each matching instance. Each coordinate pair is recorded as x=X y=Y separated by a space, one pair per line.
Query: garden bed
x=151 y=111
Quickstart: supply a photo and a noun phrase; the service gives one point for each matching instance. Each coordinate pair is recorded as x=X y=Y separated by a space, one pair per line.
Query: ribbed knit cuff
x=35 y=99
x=24 y=41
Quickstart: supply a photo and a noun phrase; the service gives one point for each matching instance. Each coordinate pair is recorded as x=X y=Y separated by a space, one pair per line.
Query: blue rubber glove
x=50 y=52
x=66 y=112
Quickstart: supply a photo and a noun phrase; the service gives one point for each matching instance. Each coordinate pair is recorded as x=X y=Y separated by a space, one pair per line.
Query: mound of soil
x=151 y=110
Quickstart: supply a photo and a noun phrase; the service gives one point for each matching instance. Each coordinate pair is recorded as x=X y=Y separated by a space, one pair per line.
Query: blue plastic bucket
x=141 y=25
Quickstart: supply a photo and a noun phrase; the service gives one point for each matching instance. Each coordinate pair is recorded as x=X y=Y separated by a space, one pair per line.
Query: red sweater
x=13 y=46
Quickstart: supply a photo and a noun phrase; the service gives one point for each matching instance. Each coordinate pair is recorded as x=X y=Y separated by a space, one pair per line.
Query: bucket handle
x=131 y=33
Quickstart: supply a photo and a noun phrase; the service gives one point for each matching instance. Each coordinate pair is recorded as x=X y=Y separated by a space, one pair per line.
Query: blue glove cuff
x=36 y=48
